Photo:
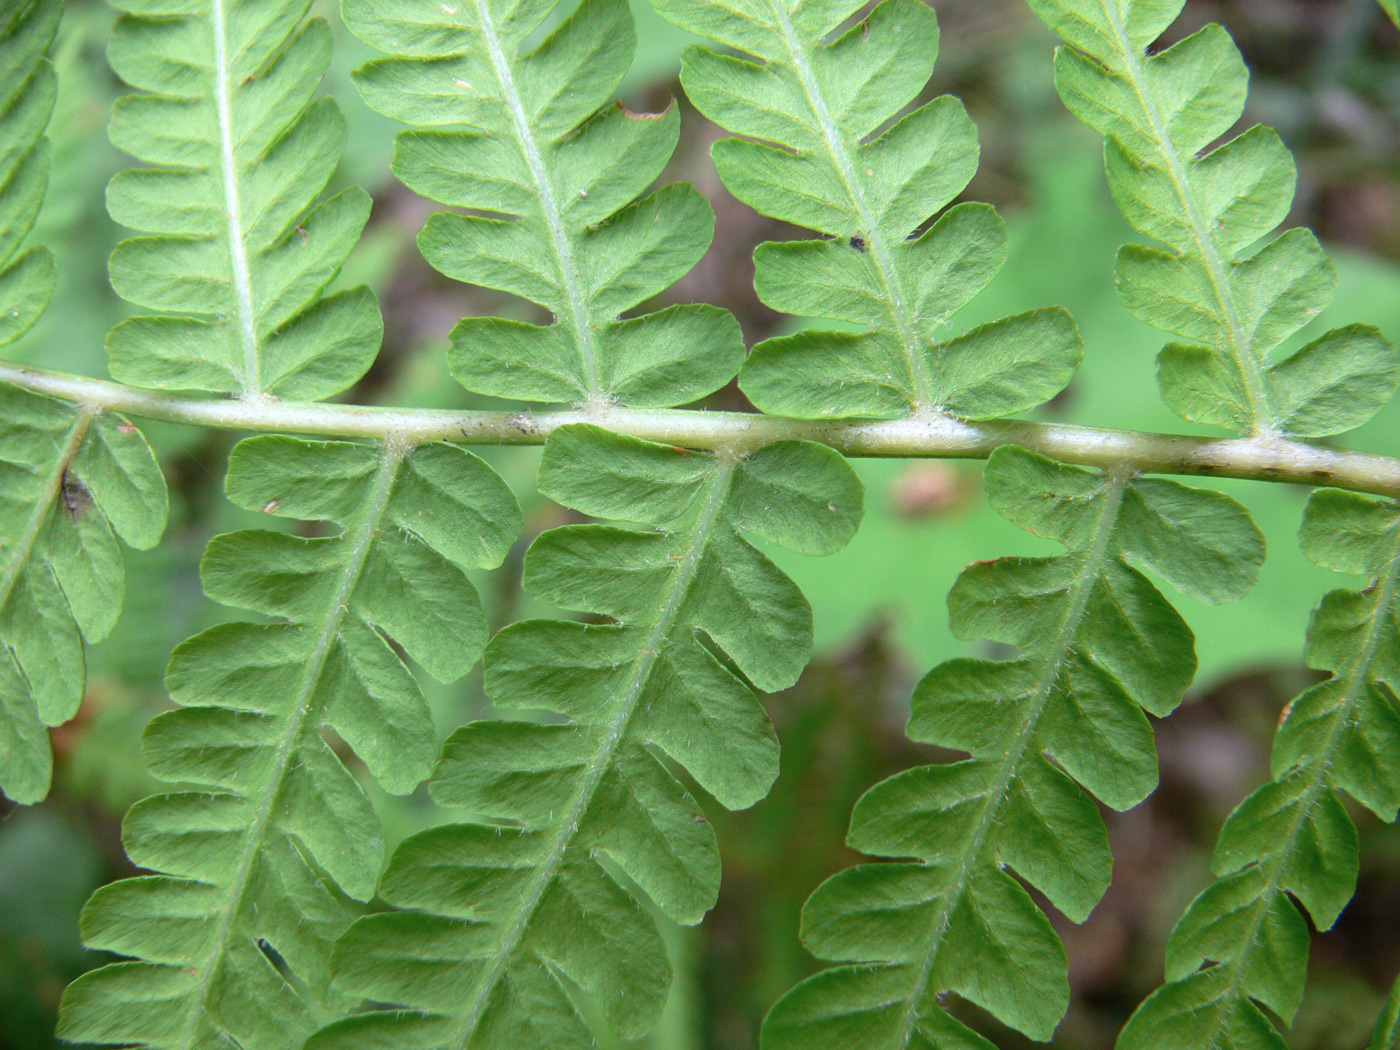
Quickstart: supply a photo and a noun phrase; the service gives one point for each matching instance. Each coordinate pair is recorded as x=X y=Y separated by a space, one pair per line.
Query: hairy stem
x=1255 y=458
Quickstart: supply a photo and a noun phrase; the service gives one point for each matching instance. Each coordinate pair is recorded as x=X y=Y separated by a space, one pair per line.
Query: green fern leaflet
x=239 y=250
x=521 y=135
x=72 y=480
x=1099 y=646
x=502 y=914
x=282 y=840
x=1292 y=840
x=1157 y=113
x=1386 y=1035
x=819 y=100
x=27 y=91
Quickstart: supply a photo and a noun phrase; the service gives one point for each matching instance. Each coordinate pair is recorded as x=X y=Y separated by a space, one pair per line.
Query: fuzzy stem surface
x=1261 y=458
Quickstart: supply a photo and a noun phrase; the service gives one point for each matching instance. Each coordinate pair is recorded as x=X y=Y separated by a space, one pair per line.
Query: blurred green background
x=1326 y=73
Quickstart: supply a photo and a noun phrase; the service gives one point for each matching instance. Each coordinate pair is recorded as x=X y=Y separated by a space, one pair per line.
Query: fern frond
x=821 y=102
x=1158 y=113
x=1099 y=645
x=532 y=145
x=1292 y=840
x=1386 y=1034
x=506 y=915
x=240 y=251
x=265 y=861
x=28 y=89
x=71 y=480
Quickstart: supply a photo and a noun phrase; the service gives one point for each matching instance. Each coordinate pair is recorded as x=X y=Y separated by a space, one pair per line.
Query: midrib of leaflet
x=875 y=241
x=43 y=506
x=297 y=723
x=549 y=206
x=1357 y=680
x=996 y=796
x=238 y=253
x=602 y=760
x=1243 y=343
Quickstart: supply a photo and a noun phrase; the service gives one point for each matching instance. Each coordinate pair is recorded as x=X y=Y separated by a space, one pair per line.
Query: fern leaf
x=504 y=916
x=27 y=91
x=818 y=101
x=71 y=480
x=269 y=856
x=1386 y=1035
x=1099 y=646
x=1392 y=8
x=521 y=135
x=1292 y=840
x=1157 y=113
x=239 y=250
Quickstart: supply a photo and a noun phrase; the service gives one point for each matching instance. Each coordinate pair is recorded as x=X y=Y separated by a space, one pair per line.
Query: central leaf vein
x=238 y=252
x=996 y=795
x=549 y=206
x=617 y=728
x=875 y=239
x=299 y=721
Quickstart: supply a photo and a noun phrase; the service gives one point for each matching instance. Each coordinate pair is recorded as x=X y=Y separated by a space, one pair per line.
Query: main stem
x=1255 y=458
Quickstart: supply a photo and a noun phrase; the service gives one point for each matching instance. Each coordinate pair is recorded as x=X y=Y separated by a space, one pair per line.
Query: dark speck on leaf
x=858 y=243
x=75 y=496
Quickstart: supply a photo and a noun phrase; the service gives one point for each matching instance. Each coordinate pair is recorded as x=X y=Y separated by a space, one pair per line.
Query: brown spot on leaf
x=75 y=496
